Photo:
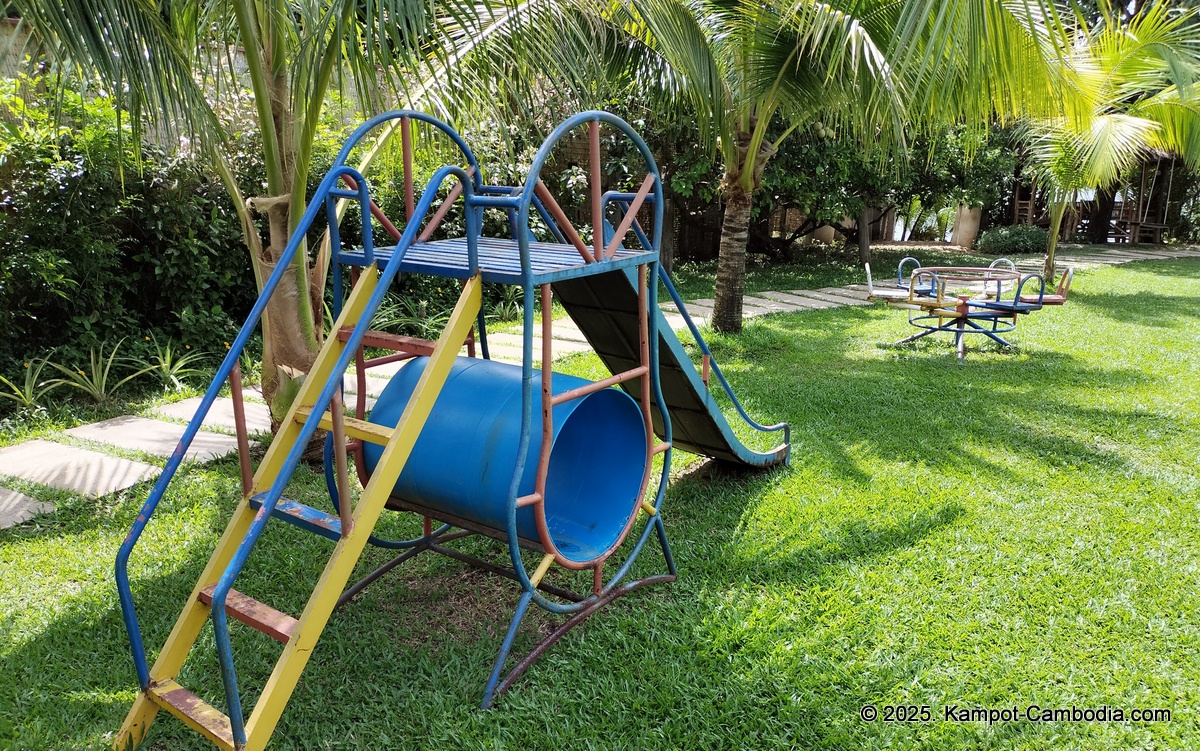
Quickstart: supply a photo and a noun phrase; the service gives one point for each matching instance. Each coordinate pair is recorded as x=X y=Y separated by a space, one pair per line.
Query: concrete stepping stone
x=749 y=308
x=839 y=299
x=516 y=341
x=694 y=310
x=775 y=306
x=507 y=353
x=16 y=508
x=564 y=329
x=375 y=385
x=674 y=320
x=155 y=437
x=846 y=292
x=72 y=468
x=797 y=300
x=220 y=415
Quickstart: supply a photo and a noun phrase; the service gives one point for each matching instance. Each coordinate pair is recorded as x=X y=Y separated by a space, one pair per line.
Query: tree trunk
x=1101 y=217
x=670 y=235
x=291 y=348
x=1058 y=207
x=864 y=236
x=731 y=263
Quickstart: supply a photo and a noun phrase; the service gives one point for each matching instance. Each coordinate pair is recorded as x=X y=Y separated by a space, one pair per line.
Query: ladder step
x=305 y=517
x=393 y=342
x=255 y=614
x=360 y=429
x=196 y=713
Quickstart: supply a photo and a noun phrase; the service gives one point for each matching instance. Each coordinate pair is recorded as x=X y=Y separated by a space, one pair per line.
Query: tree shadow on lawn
x=1141 y=308
x=920 y=409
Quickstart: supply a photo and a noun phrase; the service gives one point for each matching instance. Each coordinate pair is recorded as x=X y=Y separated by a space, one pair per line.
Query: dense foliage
x=1015 y=240
x=99 y=240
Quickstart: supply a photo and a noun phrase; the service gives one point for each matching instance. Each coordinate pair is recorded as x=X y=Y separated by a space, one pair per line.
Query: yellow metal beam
x=542 y=568
x=360 y=429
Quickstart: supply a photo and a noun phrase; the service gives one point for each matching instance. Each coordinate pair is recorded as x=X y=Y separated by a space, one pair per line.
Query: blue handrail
x=624 y=200
x=716 y=369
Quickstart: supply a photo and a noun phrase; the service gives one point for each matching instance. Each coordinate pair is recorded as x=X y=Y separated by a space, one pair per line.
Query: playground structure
x=963 y=300
x=554 y=467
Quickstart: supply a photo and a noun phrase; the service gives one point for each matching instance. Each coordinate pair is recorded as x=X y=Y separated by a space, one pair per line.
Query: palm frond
x=135 y=52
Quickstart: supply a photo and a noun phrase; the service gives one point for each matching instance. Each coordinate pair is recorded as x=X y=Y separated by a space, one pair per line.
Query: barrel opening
x=597 y=464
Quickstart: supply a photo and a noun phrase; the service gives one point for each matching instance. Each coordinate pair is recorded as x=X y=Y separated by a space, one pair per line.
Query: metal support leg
x=490 y=693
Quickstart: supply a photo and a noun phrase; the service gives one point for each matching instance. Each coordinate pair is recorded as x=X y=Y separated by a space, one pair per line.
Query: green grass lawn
x=1019 y=530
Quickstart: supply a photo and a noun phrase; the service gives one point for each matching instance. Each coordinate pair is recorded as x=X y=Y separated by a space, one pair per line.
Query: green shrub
x=1014 y=240
x=100 y=241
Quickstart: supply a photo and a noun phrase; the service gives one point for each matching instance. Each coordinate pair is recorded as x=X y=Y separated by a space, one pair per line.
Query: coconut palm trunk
x=1058 y=208
x=731 y=263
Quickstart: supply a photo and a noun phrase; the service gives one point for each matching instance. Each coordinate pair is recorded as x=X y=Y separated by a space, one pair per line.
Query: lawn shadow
x=1141 y=308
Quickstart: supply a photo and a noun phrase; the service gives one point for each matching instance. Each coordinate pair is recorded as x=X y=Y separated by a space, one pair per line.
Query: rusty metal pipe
x=595 y=386
x=630 y=215
x=239 y=425
x=560 y=218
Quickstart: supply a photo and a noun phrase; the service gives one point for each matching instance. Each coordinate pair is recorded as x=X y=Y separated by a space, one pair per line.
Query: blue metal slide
x=605 y=307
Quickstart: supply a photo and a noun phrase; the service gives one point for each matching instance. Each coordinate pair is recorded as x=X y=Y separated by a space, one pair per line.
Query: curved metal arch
x=525 y=201
x=380 y=119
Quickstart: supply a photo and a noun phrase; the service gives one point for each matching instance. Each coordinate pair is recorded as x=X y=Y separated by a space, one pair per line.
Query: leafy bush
x=99 y=240
x=1015 y=240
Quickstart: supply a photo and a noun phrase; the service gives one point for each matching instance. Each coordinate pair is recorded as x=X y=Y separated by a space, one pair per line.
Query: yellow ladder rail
x=311 y=623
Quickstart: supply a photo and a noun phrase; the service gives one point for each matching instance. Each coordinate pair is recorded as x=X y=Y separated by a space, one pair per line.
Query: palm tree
x=870 y=67
x=161 y=57
x=1133 y=93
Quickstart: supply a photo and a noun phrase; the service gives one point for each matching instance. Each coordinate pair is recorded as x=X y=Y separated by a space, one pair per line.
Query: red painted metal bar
x=630 y=215
x=597 y=189
x=659 y=449
x=406 y=147
x=436 y=220
x=337 y=416
x=705 y=363
x=644 y=343
x=547 y=421
x=595 y=386
x=385 y=359
x=239 y=425
x=560 y=218
x=409 y=345
x=644 y=349
x=598 y=579
x=375 y=210
x=529 y=500
x=360 y=413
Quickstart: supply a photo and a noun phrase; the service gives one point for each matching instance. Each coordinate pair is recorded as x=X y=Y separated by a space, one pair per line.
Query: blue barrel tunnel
x=463 y=461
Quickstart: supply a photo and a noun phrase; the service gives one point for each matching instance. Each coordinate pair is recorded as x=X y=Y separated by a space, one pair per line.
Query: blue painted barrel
x=464 y=459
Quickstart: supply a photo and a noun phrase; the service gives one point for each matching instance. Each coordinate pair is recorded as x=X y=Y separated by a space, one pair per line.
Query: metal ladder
x=317 y=406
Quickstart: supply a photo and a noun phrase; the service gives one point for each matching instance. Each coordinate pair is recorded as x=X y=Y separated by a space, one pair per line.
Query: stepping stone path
x=94 y=473
x=220 y=415
x=155 y=437
x=16 y=508
x=70 y=468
